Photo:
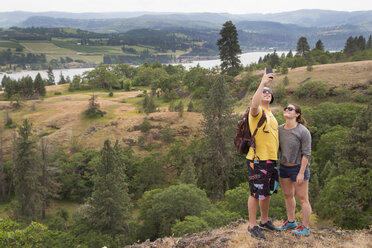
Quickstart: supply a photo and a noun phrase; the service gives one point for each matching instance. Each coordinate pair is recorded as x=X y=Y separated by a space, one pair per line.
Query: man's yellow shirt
x=267 y=144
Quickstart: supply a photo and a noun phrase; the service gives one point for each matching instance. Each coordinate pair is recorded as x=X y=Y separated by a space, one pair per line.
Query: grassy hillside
x=61 y=116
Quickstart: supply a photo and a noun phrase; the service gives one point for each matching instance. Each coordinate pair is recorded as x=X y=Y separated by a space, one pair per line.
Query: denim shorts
x=292 y=172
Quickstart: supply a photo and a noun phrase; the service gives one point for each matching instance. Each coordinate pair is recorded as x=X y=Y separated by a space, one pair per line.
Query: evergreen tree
x=219 y=128
x=303 y=47
x=190 y=107
x=229 y=48
x=171 y=106
x=357 y=149
x=110 y=202
x=319 y=45
x=351 y=46
x=26 y=87
x=62 y=79
x=39 y=85
x=179 y=109
x=188 y=174
x=361 y=41
x=27 y=174
x=290 y=54
x=93 y=110
x=369 y=43
x=51 y=80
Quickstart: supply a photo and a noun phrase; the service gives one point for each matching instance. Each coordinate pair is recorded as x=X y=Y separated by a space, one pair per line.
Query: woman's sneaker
x=301 y=230
x=256 y=233
x=288 y=225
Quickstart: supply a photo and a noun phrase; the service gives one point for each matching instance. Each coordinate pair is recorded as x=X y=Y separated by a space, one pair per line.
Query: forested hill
x=253 y=34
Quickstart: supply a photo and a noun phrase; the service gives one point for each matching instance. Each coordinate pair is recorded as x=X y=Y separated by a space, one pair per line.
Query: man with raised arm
x=261 y=161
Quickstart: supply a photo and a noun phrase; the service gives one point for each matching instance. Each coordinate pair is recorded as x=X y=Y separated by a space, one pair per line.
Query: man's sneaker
x=301 y=230
x=288 y=225
x=256 y=233
x=268 y=226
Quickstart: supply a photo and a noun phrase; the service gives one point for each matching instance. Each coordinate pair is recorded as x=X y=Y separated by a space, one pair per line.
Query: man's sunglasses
x=289 y=108
x=267 y=91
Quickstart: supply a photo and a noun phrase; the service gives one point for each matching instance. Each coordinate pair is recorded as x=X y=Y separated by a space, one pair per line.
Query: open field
x=72 y=45
x=5 y=44
x=45 y=47
x=348 y=74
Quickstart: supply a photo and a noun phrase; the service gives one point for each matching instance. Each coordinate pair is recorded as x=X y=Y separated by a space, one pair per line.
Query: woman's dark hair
x=299 y=118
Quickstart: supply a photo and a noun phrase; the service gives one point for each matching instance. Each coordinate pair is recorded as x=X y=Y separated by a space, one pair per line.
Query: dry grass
x=60 y=119
x=348 y=75
x=235 y=235
x=335 y=75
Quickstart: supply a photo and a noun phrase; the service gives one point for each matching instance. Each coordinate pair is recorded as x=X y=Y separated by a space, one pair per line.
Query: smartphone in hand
x=269 y=70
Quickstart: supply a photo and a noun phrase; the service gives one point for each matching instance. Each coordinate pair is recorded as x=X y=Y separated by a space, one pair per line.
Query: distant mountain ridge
x=256 y=31
x=306 y=18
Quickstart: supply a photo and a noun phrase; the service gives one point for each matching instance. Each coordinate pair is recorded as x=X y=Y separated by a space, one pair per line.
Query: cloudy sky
x=217 y=6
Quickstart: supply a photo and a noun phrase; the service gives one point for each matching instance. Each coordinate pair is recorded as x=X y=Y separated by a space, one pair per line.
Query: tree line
x=356 y=48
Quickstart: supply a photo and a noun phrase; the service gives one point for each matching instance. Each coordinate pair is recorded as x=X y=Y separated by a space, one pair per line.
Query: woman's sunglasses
x=289 y=108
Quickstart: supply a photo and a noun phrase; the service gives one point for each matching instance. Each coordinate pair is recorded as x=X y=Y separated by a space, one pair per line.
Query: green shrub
x=342 y=94
x=191 y=224
x=145 y=126
x=280 y=93
x=360 y=98
x=286 y=81
x=312 y=89
x=159 y=209
x=167 y=134
x=93 y=110
x=141 y=141
x=190 y=107
x=57 y=93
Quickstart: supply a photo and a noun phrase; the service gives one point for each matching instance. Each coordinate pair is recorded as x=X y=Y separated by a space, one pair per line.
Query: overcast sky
x=216 y=6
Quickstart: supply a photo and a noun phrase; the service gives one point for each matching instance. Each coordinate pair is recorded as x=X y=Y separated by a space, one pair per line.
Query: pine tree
x=303 y=47
x=27 y=174
x=369 y=43
x=229 y=48
x=39 y=85
x=319 y=45
x=49 y=183
x=110 y=202
x=62 y=79
x=188 y=174
x=179 y=109
x=190 y=107
x=51 y=80
x=171 y=106
x=219 y=129
x=290 y=54
x=351 y=46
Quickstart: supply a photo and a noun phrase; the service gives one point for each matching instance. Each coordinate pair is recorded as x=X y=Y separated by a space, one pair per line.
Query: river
x=245 y=58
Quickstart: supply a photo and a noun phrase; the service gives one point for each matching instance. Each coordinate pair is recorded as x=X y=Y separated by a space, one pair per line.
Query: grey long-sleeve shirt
x=294 y=144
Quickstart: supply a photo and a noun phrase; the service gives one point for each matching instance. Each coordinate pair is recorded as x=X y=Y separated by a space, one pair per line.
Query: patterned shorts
x=263 y=178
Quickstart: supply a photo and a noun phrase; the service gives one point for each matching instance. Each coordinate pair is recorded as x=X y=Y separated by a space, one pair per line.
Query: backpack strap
x=253 y=140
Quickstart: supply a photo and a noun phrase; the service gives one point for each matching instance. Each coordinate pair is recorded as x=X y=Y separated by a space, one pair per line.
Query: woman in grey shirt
x=294 y=173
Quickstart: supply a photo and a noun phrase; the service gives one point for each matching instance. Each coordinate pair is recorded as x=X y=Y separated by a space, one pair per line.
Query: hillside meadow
x=60 y=116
